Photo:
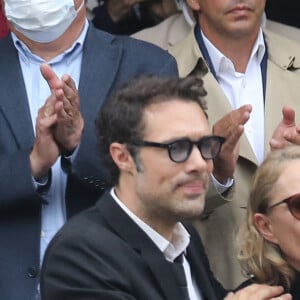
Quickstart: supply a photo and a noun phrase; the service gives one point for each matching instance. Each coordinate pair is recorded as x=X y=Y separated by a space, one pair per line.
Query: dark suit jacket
x=102 y=254
x=107 y=62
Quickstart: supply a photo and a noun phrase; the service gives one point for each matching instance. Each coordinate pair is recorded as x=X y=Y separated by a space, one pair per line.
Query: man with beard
x=155 y=140
x=241 y=63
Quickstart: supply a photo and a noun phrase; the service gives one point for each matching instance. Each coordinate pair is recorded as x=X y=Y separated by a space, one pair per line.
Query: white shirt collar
x=171 y=249
x=221 y=62
x=76 y=48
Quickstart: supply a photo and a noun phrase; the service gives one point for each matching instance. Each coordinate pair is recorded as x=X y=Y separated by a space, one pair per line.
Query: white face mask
x=41 y=20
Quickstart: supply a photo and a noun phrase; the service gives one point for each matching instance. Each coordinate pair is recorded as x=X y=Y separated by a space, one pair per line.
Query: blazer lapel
x=14 y=103
x=163 y=274
x=275 y=100
x=282 y=77
x=100 y=63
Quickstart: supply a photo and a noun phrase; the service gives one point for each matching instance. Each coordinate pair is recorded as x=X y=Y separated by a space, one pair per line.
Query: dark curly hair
x=121 y=117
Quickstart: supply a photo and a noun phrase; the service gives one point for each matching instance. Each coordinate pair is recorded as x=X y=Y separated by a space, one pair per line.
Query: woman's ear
x=264 y=227
x=121 y=157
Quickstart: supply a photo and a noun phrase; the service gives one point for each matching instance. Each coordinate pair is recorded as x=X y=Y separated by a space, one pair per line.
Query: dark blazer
x=102 y=254
x=107 y=62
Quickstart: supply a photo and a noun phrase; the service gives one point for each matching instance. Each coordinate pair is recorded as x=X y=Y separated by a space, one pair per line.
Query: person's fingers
x=49 y=75
x=48 y=121
x=232 y=125
x=288 y=116
x=71 y=98
x=259 y=292
x=51 y=106
x=275 y=144
x=69 y=82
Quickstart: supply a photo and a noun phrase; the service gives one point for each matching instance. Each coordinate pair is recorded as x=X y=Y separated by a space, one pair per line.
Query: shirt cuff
x=42 y=184
x=67 y=160
x=221 y=188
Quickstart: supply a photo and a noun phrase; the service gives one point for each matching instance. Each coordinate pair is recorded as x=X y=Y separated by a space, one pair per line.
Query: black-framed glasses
x=293 y=204
x=180 y=150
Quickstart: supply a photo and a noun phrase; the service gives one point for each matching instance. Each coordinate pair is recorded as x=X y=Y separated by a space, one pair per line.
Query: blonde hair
x=259 y=257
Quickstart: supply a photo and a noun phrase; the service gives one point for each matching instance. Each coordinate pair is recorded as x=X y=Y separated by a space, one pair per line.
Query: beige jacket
x=218 y=231
x=167 y=33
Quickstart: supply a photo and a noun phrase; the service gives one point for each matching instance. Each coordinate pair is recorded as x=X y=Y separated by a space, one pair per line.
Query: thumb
x=288 y=116
x=49 y=75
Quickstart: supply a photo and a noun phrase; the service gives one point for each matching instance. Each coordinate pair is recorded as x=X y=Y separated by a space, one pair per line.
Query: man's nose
x=197 y=162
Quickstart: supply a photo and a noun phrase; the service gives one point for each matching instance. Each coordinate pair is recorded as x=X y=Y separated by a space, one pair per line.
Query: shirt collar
x=259 y=47
x=171 y=249
x=221 y=62
x=70 y=54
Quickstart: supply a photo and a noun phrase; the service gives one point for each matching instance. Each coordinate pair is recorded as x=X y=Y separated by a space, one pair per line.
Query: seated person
x=156 y=142
x=269 y=248
x=127 y=17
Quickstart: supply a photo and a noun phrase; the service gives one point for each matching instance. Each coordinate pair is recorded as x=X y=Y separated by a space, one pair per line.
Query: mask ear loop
x=185 y=10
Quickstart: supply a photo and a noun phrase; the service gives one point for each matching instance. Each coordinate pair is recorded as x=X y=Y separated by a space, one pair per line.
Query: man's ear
x=264 y=227
x=121 y=157
x=193 y=4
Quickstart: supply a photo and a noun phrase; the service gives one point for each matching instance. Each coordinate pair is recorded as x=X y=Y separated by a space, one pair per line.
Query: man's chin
x=193 y=211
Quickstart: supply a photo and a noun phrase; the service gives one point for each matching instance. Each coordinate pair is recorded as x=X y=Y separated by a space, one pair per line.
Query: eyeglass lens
x=209 y=148
x=294 y=205
x=179 y=151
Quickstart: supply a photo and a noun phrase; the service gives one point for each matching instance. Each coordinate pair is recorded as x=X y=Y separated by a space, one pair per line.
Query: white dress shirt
x=244 y=88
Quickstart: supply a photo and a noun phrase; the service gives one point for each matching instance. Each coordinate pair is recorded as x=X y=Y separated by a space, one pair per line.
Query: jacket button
x=32 y=272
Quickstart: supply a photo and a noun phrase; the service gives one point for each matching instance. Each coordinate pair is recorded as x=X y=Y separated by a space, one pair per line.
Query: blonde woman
x=269 y=240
